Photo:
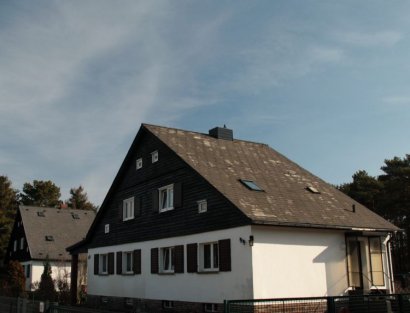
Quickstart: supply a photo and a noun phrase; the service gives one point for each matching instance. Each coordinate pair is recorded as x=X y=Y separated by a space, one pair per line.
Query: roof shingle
x=285 y=199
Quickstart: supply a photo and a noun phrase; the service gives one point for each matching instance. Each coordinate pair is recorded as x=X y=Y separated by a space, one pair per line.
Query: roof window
x=250 y=184
x=49 y=238
x=312 y=189
x=41 y=213
x=75 y=216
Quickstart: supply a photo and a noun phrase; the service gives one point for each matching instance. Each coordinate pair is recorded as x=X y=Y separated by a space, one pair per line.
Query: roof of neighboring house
x=49 y=231
x=291 y=195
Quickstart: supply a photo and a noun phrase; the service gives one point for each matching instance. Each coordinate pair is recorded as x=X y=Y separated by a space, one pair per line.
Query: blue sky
x=323 y=82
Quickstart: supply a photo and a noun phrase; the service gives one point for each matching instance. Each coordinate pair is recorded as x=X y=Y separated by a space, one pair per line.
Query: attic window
x=154 y=156
x=75 y=216
x=250 y=184
x=312 y=189
x=49 y=238
x=41 y=213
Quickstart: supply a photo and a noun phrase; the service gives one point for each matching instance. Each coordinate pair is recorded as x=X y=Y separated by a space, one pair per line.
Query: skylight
x=251 y=185
x=49 y=238
x=312 y=189
x=41 y=213
x=75 y=216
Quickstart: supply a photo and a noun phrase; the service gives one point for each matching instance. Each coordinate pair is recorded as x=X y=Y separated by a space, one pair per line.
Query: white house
x=40 y=234
x=193 y=219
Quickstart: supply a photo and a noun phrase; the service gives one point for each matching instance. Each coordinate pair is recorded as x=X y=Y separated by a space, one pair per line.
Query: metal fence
x=347 y=304
x=20 y=305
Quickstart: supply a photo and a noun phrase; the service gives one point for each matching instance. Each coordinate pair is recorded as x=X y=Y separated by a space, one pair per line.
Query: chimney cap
x=221 y=133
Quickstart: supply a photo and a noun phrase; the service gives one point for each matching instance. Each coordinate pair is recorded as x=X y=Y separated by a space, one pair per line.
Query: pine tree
x=41 y=193
x=46 y=289
x=8 y=209
x=15 y=280
x=79 y=200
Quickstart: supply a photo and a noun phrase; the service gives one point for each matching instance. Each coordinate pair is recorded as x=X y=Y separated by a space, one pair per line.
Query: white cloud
x=370 y=39
x=397 y=100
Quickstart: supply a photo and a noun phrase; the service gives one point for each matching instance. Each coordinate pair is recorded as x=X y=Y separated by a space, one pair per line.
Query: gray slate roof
x=58 y=223
x=285 y=199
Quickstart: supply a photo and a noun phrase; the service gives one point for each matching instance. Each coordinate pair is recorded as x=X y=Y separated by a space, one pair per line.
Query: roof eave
x=322 y=226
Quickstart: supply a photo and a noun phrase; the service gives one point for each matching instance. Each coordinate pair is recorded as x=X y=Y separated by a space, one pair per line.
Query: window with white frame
x=128 y=209
x=106 y=228
x=210 y=307
x=127 y=262
x=139 y=163
x=167 y=260
x=15 y=245
x=22 y=243
x=103 y=264
x=209 y=256
x=202 y=206
x=167 y=304
x=166 y=198
x=154 y=156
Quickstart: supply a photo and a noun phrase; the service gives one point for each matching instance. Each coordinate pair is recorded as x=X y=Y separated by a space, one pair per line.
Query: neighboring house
x=192 y=219
x=40 y=233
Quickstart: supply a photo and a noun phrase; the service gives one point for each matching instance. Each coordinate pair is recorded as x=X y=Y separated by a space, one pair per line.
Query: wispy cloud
x=370 y=39
x=397 y=101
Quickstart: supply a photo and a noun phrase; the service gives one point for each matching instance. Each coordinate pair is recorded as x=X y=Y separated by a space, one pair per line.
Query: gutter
x=387 y=243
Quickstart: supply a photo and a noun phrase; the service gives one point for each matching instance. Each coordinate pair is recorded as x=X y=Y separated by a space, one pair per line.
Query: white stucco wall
x=195 y=287
x=58 y=269
x=298 y=262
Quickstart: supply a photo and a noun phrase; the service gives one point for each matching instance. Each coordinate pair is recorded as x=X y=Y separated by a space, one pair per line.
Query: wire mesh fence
x=346 y=304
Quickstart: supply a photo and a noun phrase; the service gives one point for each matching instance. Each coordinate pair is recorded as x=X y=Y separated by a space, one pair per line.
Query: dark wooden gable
x=16 y=234
x=143 y=184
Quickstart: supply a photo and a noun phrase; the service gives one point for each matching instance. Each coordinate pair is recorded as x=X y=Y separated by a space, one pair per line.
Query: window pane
x=216 y=256
x=375 y=246
x=172 y=258
x=164 y=198
x=378 y=279
x=353 y=262
x=207 y=256
x=166 y=259
x=170 y=198
x=129 y=262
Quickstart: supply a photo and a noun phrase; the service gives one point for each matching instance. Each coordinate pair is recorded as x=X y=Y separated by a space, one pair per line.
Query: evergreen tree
x=15 y=279
x=79 y=200
x=46 y=289
x=8 y=209
x=41 y=193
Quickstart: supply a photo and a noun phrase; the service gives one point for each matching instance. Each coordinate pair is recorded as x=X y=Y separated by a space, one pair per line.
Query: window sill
x=128 y=274
x=167 y=273
x=213 y=271
x=166 y=209
x=102 y=274
x=128 y=219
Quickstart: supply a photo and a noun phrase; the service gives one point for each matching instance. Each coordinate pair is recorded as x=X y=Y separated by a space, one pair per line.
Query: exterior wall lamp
x=251 y=241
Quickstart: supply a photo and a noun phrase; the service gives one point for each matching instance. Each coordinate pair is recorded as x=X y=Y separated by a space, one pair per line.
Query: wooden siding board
x=151 y=224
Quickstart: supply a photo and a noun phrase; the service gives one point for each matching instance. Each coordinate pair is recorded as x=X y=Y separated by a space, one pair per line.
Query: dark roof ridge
x=205 y=134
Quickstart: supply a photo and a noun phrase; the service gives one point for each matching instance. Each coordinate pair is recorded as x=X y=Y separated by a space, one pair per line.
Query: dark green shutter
x=192 y=257
x=224 y=255
x=154 y=261
x=110 y=263
x=96 y=264
x=136 y=262
x=119 y=263
x=179 y=259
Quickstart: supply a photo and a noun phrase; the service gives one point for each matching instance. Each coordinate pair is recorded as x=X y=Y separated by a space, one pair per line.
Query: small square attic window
x=154 y=156
x=312 y=189
x=251 y=185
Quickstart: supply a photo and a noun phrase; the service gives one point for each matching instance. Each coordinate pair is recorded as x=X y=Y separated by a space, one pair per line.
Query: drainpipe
x=387 y=243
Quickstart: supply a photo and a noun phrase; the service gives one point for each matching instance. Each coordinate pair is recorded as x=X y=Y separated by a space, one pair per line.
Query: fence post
x=226 y=306
x=330 y=305
x=401 y=304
